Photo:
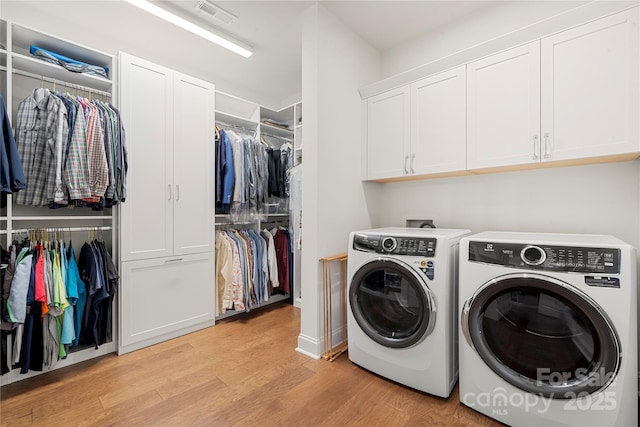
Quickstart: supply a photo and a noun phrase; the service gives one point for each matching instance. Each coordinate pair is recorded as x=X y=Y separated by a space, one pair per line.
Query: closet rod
x=61 y=82
x=54 y=229
x=275 y=136
x=231 y=125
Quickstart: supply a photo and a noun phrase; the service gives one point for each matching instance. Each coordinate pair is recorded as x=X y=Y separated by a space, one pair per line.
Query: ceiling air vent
x=216 y=12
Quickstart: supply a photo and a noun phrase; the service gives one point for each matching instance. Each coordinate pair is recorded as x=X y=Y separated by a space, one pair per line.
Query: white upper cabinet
x=570 y=97
x=503 y=108
x=170 y=125
x=590 y=89
x=438 y=137
x=388 y=139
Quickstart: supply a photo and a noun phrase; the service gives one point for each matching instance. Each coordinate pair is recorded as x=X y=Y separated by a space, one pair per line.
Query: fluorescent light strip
x=189 y=26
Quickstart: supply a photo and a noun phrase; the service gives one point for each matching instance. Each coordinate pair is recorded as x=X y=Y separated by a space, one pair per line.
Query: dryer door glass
x=544 y=336
x=391 y=303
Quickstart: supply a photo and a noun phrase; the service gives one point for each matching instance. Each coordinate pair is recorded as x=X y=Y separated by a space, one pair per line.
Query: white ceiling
x=273 y=75
x=273 y=29
x=387 y=24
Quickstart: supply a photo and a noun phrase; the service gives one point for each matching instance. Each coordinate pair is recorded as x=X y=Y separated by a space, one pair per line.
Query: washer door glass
x=543 y=336
x=391 y=303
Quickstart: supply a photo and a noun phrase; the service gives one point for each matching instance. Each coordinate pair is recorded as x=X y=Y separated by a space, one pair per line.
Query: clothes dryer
x=548 y=329
x=401 y=314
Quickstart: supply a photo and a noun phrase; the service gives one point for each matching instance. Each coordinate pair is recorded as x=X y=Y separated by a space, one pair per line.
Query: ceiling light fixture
x=234 y=46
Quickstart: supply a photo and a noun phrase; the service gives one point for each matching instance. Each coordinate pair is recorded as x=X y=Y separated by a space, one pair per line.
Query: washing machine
x=548 y=329
x=401 y=314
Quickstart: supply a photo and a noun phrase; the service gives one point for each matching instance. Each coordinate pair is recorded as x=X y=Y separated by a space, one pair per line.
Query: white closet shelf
x=272 y=299
x=61 y=218
x=275 y=130
x=73 y=357
x=65 y=229
x=3 y=51
x=36 y=66
x=235 y=120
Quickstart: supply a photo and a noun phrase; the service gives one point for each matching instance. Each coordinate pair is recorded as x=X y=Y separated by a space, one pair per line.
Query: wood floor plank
x=240 y=372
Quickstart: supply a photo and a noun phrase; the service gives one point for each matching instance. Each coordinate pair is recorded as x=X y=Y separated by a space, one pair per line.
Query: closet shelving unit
x=243 y=115
x=3 y=90
x=21 y=73
x=297 y=133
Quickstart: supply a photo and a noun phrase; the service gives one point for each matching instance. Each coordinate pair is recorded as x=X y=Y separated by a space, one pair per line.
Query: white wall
x=335 y=63
x=486 y=24
x=594 y=199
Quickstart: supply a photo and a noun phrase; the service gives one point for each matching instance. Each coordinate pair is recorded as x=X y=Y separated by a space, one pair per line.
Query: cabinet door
x=193 y=165
x=388 y=134
x=146 y=105
x=164 y=298
x=590 y=89
x=503 y=108
x=438 y=123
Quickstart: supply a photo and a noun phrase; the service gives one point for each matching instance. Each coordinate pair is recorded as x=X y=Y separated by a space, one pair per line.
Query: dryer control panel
x=547 y=257
x=395 y=245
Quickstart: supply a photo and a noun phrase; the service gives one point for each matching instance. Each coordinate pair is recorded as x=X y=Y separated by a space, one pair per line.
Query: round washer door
x=391 y=303
x=542 y=335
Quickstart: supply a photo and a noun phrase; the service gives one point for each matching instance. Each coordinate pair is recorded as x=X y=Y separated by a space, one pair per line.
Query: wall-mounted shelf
x=34 y=67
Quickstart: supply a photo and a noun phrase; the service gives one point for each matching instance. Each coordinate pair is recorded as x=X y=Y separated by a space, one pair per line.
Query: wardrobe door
x=165 y=298
x=193 y=154
x=590 y=101
x=146 y=100
x=388 y=140
x=438 y=123
x=503 y=108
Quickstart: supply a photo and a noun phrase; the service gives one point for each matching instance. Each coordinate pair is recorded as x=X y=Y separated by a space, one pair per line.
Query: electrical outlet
x=420 y=223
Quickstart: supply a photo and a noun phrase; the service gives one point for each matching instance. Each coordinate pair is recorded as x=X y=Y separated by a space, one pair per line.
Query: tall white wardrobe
x=166 y=226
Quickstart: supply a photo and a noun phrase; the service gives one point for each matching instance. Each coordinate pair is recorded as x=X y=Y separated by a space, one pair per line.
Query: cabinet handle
x=173 y=260
x=536 y=146
x=169 y=188
x=406 y=170
x=413 y=157
x=177 y=192
x=546 y=146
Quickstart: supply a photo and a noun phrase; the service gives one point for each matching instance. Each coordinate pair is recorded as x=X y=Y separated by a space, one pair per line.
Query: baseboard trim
x=309 y=346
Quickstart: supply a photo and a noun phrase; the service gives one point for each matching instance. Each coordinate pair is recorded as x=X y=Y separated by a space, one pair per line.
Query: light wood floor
x=242 y=372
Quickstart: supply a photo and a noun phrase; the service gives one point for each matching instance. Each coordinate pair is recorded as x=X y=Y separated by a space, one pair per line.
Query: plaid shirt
x=41 y=129
x=98 y=167
x=76 y=171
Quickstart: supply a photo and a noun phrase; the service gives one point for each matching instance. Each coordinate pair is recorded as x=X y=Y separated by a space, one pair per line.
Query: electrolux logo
x=489 y=247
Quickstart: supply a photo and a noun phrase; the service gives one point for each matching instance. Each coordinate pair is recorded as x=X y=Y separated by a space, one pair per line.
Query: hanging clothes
x=41 y=128
x=46 y=303
x=283 y=255
x=73 y=151
x=12 y=177
x=250 y=174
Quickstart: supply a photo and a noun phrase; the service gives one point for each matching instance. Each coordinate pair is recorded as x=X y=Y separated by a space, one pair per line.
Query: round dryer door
x=391 y=303
x=542 y=335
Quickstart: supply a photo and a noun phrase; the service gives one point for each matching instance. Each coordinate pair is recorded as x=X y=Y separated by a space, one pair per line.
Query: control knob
x=533 y=255
x=389 y=244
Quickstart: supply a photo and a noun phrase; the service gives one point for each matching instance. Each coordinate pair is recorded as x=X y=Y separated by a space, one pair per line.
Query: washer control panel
x=547 y=257
x=395 y=245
